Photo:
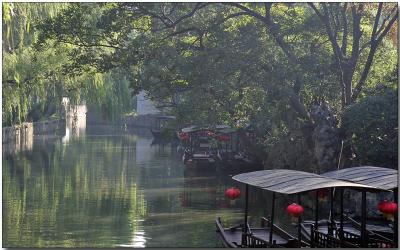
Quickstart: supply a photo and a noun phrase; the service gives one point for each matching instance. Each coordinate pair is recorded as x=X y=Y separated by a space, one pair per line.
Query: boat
x=156 y=133
x=321 y=234
x=161 y=122
x=382 y=179
x=199 y=151
x=276 y=181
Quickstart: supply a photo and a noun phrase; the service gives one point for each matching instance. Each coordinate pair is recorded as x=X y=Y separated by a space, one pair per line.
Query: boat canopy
x=378 y=177
x=286 y=181
x=221 y=126
x=191 y=129
x=165 y=117
x=228 y=131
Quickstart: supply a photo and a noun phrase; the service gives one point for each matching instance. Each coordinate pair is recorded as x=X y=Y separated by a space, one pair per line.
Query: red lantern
x=323 y=194
x=223 y=138
x=210 y=133
x=232 y=193
x=388 y=209
x=295 y=211
x=183 y=136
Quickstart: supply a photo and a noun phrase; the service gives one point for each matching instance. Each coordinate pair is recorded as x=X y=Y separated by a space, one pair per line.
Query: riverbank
x=20 y=137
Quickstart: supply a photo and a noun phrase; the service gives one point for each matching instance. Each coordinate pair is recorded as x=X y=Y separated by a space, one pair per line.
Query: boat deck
x=347 y=227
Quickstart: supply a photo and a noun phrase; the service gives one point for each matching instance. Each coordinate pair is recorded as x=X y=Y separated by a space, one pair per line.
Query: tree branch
x=345 y=30
x=371 y=54
x=324 y=18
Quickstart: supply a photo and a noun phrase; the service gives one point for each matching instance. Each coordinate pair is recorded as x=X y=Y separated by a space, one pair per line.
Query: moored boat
x=328 y=233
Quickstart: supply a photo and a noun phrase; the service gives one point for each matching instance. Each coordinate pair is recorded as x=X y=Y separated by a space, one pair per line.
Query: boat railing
x=373 y=240
x=380 y=243
x=370 y=232
x=323 y=240
x=252 y=241
x=265 y=222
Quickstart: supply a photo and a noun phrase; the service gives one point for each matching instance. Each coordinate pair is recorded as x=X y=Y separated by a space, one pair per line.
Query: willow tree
x=35 y=79
x=26 y=75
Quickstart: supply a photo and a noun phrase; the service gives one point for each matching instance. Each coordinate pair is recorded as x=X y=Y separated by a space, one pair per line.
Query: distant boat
x=156 y=133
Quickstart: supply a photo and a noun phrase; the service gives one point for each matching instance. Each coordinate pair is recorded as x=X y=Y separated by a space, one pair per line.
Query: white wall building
x=145 y=106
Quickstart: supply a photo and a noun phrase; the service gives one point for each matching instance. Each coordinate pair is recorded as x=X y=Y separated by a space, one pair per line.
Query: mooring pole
x=363 y=218
x=316 y=209
x=396 y=219
x=272 y=218
x=341 y=235
x=299 y=222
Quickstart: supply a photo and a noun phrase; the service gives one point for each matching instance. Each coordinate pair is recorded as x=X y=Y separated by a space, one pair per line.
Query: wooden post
x=341 y=235
x=191 y=143
x=230 y=141
x=332 y=220
x=312 y=245
x=244 y=233
x=316 y=209
x=272 y=218
x=363 y=219
x=237 y=142
x=299 y=222
x=396 y=219
x=246 y=208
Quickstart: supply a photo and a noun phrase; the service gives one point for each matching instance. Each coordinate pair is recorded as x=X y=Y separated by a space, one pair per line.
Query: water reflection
x=110 y=187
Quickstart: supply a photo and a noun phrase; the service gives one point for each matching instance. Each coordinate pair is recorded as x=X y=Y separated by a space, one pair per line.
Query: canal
x=113 y=187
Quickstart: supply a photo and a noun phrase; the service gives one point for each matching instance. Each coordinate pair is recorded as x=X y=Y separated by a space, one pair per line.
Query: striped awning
x=292 y=181
x=378 y=177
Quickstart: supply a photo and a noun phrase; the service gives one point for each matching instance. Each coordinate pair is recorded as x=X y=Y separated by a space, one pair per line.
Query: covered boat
x=284 y=182
x=383 y=179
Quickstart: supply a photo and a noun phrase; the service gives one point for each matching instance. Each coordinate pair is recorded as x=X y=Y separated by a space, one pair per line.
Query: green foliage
x=372 y=127
x=208 y=63
x=28 y=77
x=34 y=81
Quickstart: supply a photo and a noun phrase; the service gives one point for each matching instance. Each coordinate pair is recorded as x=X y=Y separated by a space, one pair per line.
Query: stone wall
x=144 y=105
x=17 y=138
x=20 y=137
x=49 y=127
x=148 y=121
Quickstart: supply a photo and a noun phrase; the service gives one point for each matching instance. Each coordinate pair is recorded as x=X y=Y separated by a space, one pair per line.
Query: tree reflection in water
x=113 y=188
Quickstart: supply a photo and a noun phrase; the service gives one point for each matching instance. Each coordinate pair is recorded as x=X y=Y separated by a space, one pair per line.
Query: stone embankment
x=20 y=137
x=145 y=121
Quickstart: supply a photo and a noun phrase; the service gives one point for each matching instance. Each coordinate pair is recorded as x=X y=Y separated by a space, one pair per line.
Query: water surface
x=115 y=188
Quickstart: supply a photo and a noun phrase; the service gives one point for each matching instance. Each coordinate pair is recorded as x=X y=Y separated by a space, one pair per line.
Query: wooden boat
x=384 y=179
x=156 y=132
x=198 y=150
x=199 y=158
x=297 y=182
x=347 y=230
x=233 y=237
x=276 y=181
